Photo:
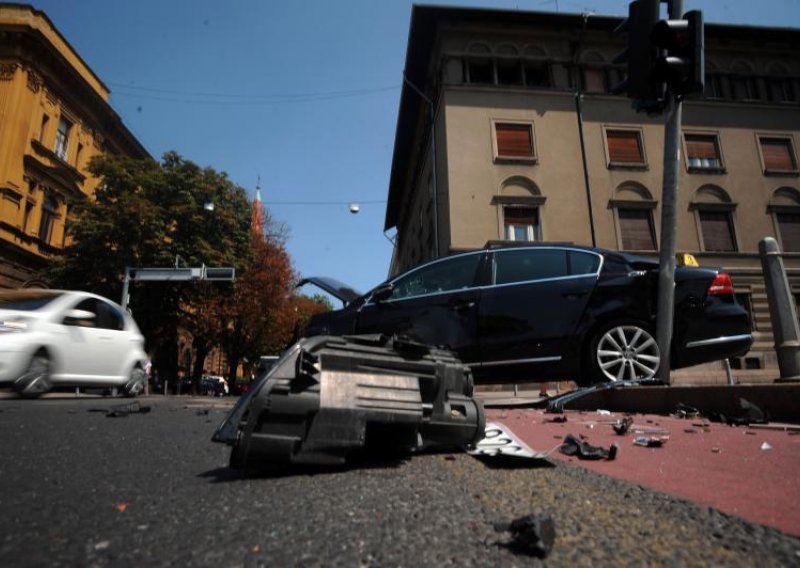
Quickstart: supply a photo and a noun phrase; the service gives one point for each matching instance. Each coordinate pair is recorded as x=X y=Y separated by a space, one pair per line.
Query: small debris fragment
x=686 y=411
x=604 y=412
x=102 y=545
x=556 y=419
x=573 y=446
x=622 y=425
x=121 y=507
x=650 y=441
x=123 y=410
x=715 y=450
x=766 y=446
x=531 y=534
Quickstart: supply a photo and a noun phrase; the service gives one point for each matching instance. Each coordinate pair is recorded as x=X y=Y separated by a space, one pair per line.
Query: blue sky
x=303 y=94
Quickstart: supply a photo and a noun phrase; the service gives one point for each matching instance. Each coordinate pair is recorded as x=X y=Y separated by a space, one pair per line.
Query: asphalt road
x=79 y=488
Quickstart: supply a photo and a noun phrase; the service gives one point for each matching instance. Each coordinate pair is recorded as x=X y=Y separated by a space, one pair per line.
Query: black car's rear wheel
x=624 y=351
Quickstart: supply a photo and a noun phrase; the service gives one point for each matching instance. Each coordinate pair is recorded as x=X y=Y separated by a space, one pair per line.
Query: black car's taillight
x=722 y=284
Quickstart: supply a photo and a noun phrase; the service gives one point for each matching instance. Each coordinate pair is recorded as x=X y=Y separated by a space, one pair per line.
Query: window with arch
x=785 y=210
x=536 y=68
x=633 y=208
x=743 y=82
x=508 y=64
x=713 y=210
x=594 y=78
x=780 y=86
x=713 y=85
x=49 y=215
x=518 y=206
x=479 y=68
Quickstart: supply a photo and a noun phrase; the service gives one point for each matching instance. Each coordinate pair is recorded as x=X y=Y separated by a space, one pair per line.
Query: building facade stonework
x=528 y=143
x=54 y=117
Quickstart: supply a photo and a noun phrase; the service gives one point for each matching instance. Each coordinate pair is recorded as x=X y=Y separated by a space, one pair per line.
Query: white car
x=52 y=338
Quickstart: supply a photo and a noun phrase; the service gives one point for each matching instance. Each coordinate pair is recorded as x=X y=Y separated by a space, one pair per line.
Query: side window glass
x=524 y=265
x=109 y=317
x=445 y=276
x=88 y=305
x=582 y=262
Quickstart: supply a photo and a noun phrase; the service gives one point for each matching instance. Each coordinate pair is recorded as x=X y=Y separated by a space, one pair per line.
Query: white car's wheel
x=136 y=383
x=35 y=381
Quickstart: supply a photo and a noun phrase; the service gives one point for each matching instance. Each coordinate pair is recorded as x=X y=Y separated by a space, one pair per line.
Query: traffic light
x=641 y=55
x=681 y=60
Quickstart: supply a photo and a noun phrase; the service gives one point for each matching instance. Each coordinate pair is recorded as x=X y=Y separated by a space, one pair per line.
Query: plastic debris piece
x=123 y=410
x=650 y=441
x=604 y=412
x=531 y=534
x=686 y=411
x=622 y=425
x=766 y=446
x=715 y=450
x=573 y=446
x=499 y=440
x=121 y=507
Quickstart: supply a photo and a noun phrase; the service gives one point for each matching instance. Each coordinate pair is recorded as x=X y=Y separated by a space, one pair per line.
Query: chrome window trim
x=596 y=274
x=550 y=359
x=719 y=340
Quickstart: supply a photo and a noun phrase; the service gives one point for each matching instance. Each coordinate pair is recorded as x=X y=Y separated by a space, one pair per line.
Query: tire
x=35 y=381
x=623 y=351
x=136 y=383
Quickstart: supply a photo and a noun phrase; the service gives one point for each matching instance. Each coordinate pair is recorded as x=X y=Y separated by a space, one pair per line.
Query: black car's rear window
x=582 y=262
x=26 y=300
x=524 y=265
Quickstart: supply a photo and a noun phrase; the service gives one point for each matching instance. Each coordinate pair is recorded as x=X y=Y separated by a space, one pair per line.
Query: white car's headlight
x=11 y=326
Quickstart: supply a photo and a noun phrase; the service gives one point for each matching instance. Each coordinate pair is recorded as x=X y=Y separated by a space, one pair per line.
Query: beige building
x=54 y=117
x=527 y=143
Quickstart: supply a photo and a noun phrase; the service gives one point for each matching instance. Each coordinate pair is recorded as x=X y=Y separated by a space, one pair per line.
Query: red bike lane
x=748 y=471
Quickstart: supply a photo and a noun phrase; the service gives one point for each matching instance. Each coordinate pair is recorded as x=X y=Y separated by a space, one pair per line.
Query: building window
x=62 y=138
x=636 y=228
x=789 y=228
x=479 y=68
x=625 y=148
x=594 y=80
x=778 y=155
x=514 y=141
x=702 y=152
x=537 y=74
x=717 y=229
x=508 y=65
x=49 y=215
x=521 y=223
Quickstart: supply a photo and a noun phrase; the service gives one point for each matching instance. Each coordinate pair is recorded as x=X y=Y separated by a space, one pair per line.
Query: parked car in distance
x=55 y=338
x=213 y=385
x=541 y=312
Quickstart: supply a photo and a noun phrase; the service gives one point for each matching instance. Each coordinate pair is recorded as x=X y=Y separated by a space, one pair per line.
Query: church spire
x=257 y=219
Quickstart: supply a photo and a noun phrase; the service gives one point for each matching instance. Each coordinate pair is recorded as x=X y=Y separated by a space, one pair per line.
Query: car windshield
x=26 y=300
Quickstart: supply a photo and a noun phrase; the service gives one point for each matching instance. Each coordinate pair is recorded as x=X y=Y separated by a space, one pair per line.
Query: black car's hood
x=333 y=287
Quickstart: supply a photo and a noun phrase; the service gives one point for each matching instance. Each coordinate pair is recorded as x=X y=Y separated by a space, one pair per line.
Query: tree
x=147 y=213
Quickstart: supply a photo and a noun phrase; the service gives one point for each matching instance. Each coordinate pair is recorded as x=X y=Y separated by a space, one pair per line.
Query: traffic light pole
x=666 y=270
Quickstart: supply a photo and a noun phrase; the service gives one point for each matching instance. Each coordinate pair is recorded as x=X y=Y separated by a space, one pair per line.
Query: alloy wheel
x=626 y=353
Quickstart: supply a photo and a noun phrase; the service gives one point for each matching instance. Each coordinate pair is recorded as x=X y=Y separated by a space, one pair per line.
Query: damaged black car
x=546 y=312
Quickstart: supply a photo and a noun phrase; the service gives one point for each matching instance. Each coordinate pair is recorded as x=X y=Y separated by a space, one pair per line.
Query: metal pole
x=666 y=264
x=782 y=310
x=579 y=112
x=125 y=284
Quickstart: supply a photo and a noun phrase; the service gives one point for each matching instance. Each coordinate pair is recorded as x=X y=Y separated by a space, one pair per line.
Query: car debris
x=532 y=534
x=577 y=446
x=500 y=441
x=124 y=410
x=327 y=398
x=650 y=441
x=622 y=425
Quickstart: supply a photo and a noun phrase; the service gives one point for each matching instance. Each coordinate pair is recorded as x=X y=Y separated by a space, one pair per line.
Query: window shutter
x=624 y=147
x=637 y=229
x=514 y=140
x=777 y=155
x=717 y=231
x=789 y=226
x=701 y=147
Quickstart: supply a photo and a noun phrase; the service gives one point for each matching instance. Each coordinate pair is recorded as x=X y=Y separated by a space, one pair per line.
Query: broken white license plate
x=501 y=441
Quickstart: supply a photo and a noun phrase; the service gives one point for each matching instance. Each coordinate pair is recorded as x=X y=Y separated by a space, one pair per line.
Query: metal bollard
x=782 y=310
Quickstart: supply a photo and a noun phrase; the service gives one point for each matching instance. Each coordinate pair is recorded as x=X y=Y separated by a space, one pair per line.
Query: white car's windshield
x=26 y=300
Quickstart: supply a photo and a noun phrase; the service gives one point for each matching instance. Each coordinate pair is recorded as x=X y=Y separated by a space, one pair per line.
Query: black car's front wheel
x=624 y=351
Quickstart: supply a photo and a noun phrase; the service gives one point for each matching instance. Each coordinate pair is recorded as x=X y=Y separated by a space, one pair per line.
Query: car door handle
x=574 y=294
x=461 y=306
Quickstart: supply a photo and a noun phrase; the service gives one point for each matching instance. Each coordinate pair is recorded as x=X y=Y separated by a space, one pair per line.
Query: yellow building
x=54 y=117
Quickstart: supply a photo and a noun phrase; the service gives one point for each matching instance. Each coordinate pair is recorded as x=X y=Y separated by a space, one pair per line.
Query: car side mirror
x=383 y=292
x=79 y=317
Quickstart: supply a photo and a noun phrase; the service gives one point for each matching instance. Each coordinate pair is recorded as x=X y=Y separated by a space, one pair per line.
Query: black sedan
x=547 y=312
